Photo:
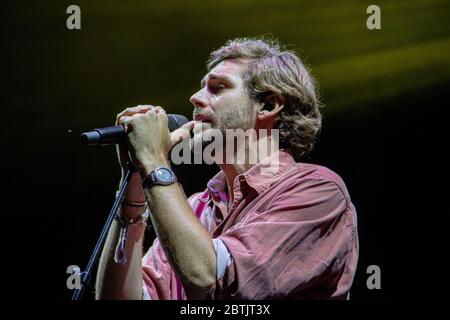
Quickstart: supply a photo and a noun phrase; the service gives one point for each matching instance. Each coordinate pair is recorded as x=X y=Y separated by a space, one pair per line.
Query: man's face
x=223 y=103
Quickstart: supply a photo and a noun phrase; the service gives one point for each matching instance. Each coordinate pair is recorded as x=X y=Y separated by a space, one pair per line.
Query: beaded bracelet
x=124 y=223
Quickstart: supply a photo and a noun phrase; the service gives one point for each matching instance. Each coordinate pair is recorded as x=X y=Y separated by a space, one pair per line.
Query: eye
x=220 y=87
x=216 y=87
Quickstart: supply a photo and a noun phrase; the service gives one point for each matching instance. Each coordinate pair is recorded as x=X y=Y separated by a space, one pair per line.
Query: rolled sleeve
x=157 y=274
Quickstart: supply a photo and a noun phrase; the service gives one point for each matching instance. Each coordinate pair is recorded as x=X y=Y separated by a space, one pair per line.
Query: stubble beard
x=235 y=117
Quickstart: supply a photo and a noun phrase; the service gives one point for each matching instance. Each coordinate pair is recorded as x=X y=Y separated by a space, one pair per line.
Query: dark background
x=386 y=93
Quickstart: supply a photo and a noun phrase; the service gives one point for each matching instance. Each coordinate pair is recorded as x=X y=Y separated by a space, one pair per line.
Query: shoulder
x=313 y=179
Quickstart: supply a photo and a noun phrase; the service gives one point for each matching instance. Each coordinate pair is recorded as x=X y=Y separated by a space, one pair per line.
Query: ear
x=272 y=106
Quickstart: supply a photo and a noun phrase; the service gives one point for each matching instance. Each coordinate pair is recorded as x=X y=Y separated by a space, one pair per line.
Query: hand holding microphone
x=151 y=133
x=144 y=134
x=148 y=136
x=117 y=133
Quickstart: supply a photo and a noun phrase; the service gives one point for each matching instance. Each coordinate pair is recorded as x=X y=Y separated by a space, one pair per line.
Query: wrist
x=132 y=208
x=127 y=220
x=134 y=193
x=132 y=212
x=151 y=164
x=124 y=222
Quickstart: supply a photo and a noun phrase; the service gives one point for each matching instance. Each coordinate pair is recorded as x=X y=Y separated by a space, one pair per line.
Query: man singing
x=287 y=233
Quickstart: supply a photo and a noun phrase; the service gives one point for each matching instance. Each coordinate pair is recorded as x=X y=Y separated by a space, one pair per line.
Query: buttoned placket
x=237 y=192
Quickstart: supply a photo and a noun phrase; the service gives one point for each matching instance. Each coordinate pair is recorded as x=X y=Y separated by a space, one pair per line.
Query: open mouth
x=202 y=118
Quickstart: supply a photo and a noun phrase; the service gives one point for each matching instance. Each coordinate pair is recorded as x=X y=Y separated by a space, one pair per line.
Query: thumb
x=182 y=133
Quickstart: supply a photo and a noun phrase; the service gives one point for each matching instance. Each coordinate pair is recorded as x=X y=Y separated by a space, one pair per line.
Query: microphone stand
x=85 y=276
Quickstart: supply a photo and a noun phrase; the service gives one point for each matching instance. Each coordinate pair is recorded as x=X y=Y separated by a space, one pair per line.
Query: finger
x=161 y=115
x=122 y=151
x=138 y=109
x=182 y=133
x=133 y=110
x=126 y=122
x=189 y=125
x=158 y=109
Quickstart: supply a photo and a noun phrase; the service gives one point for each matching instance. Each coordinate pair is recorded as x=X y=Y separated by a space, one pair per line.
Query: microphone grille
x=176 y=121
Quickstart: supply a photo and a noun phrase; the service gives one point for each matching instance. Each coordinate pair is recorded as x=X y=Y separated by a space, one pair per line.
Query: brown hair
x=272 y=69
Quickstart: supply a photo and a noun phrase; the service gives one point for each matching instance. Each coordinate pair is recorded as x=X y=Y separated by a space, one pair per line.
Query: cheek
x=216 y=103
x=226 y=101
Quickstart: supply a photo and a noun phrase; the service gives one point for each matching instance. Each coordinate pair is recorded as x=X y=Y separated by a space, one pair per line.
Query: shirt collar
x=260 y=177
x=217 y=187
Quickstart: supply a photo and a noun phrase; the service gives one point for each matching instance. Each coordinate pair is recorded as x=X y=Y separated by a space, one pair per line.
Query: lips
x=202 y=118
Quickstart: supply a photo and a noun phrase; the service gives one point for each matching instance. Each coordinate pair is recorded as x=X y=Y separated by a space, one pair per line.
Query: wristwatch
x=161 y=176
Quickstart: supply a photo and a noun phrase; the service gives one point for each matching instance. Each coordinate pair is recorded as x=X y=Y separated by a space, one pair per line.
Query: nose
x=198 y=99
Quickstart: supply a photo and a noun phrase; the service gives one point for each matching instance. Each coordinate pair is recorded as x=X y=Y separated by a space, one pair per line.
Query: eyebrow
x=214 y=76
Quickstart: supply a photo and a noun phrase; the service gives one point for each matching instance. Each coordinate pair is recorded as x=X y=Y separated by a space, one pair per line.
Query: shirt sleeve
x=160 y=282
x=157 y=274
x=302 y=245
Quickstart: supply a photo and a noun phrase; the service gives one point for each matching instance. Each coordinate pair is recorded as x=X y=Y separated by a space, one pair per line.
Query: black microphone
x=117 y=134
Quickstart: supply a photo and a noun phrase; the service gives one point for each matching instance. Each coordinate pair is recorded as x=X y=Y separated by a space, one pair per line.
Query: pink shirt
x=291 y=234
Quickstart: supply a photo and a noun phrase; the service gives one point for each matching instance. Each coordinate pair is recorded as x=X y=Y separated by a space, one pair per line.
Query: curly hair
x=272 y=69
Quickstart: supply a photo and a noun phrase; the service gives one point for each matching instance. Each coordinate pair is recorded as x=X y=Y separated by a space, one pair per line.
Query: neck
x=234 y=168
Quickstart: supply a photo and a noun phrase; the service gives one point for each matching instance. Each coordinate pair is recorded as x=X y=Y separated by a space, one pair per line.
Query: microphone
x=116 y=134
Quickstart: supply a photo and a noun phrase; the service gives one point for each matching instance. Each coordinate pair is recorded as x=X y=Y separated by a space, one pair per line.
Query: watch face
x=163 y=175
